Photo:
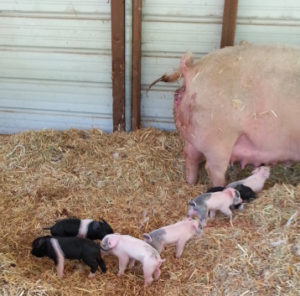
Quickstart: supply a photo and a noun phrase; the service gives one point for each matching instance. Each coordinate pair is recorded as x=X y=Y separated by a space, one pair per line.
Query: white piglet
x=128 y=249
x=256 y=181
x=178 y=233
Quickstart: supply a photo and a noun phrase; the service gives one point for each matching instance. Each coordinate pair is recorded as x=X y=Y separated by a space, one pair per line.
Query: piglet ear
x=95 y=226
x=147 y=237
x=255 y=171
x=113 y=242
x=101 y=220
x=39 y=242
x=192 y=203
x=198 y=227
x=230 y=192
x=266 y=171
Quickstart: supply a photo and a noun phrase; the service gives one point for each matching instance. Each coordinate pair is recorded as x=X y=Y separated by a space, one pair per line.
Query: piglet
x=178 y=233
x=256 y=181
x=86 y=228
x=59 y=248
x=210 y=202
x=247 y=194
x=128 y=248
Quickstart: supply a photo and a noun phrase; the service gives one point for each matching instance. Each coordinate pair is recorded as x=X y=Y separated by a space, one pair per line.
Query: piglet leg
x=148 y=271
x=203 y=222
x=227 y=212
x=101 y=263
x=212 y=214
x=123 y=262
x=59 y=258
x=179 y=248
x=192 y=160
x=160 y=247
x=157 y=273
x=60 y=266
x=131 y=263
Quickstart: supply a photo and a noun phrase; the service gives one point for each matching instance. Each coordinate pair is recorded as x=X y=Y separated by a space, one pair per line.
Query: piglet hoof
x=120 y=273
x=148 y=283
x=203 y=224
x=131 y=263
x=91 y=275
x=157 y=273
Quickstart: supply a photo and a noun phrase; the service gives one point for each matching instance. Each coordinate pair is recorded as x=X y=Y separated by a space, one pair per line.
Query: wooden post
x=136 y=63
x=229 y=20
x=118 y=62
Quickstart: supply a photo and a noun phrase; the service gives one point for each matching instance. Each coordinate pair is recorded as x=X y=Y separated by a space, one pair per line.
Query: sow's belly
x=267 y=151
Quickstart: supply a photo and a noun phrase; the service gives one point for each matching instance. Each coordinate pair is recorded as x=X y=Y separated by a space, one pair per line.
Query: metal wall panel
x=169 y=29
x=269 y=21
x=55 y=65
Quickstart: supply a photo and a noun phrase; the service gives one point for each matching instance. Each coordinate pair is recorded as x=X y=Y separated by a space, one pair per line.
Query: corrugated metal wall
x=55 y=56
x=172 y=27
x=55 y=65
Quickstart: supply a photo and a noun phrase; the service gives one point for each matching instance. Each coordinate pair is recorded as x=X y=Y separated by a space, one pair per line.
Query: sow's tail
x=167 y=78
x=185 y=63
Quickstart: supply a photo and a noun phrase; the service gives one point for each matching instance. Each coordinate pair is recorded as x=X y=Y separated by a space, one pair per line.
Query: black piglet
x=59 y=248
x=84 y=228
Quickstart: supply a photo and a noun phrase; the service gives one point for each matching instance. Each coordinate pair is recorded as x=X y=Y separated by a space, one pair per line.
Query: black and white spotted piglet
x=85 y=228
x=61 y=248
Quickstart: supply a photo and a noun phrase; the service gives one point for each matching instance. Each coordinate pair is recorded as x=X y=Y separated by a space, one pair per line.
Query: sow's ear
x=147 y=237
x=113 y=242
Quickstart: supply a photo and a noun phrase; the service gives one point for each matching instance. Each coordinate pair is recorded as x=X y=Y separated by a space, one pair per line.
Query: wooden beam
x=229 y=22
x=118 y=62
x=136 y=63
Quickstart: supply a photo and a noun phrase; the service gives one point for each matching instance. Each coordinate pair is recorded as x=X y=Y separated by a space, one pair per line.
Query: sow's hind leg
x=217 y=157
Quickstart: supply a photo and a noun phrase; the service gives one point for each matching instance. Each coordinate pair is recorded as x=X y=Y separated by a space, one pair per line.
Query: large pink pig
x=128 y=249
x=238 y=104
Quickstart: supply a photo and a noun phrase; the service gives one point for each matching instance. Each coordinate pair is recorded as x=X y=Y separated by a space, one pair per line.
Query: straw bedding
x=136 y=182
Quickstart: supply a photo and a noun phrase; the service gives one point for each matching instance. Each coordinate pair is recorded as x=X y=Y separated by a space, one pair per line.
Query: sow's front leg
x=192 y=160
